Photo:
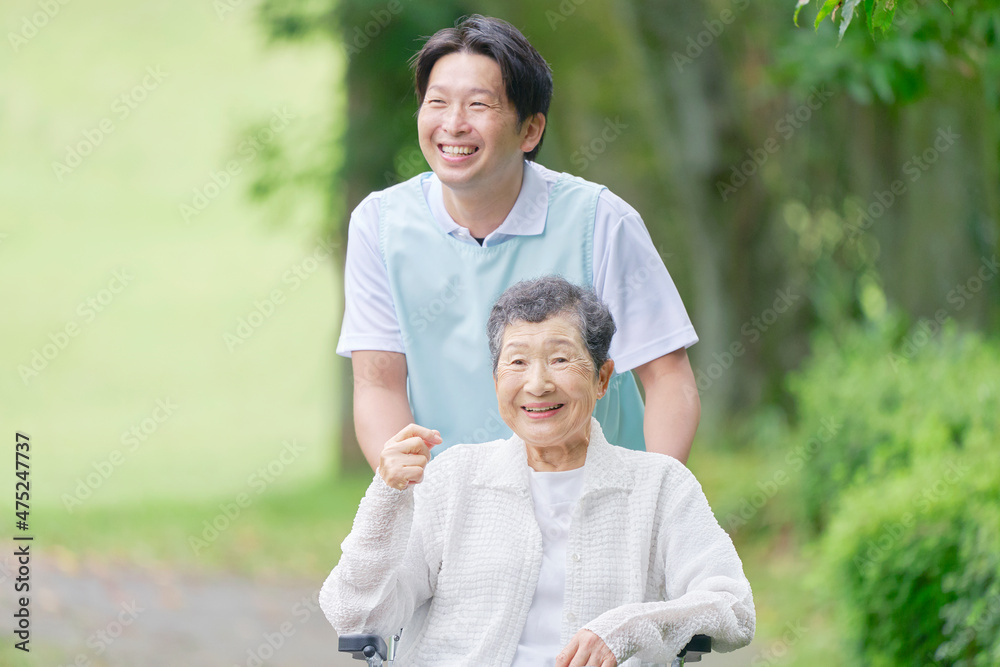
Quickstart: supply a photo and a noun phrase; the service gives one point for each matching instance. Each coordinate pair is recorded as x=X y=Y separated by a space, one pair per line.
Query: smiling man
x=427 y=258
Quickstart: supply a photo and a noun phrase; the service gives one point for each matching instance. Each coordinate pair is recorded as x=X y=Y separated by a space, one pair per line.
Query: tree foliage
x=807 y=139
x=878 y=15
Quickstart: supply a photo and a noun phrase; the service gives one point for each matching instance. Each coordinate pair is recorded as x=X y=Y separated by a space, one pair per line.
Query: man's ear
x=604 y=378
x=531 y=132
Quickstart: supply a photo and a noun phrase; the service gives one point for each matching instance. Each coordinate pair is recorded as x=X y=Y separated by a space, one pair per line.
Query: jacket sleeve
x=384 y=573
x=705 y=590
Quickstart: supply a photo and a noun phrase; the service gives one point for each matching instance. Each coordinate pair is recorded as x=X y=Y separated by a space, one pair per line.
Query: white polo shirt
x=629 y=275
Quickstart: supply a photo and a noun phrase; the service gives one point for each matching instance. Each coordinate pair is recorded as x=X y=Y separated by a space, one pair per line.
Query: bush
x=877 y=399
x=914 y=561
x=906 y=490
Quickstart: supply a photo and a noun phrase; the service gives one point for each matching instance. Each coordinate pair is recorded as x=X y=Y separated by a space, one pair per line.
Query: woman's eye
x=561 y=360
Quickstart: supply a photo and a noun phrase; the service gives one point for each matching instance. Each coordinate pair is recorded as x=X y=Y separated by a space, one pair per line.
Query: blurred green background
x=176 y=178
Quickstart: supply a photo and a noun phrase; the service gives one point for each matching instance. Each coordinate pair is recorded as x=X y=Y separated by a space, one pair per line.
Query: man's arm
x=673 y=407
x=381 y=408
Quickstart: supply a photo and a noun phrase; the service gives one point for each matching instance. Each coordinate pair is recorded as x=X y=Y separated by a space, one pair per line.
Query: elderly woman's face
x=546 y=385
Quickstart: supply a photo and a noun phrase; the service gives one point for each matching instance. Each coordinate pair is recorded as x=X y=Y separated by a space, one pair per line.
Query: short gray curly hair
x=538 y=300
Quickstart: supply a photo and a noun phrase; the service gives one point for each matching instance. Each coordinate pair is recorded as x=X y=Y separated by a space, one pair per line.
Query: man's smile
x=457 y=151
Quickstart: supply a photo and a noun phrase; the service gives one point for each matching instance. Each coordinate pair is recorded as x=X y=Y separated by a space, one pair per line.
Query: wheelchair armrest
x=362 y=646
x=697 y=647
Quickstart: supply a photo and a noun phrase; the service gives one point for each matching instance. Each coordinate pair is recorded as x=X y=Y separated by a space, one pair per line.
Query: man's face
x=468 y=128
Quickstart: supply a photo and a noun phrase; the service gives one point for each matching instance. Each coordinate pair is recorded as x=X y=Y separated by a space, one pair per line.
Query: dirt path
x=101 y=614
x=96 y=614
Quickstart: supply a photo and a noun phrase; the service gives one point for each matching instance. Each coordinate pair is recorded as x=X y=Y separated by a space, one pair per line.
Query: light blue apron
x=444 y=288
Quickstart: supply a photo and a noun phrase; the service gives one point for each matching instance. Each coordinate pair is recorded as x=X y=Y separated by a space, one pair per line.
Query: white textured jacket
x=455 y=560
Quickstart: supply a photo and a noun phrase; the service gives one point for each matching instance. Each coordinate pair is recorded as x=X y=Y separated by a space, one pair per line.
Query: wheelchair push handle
x=697 y=647
x=373 y=648
x=363 y=647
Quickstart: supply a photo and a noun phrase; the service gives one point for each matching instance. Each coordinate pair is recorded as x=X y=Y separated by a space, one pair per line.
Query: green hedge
x=892 y=397
x=914 y=561
x=904 y=497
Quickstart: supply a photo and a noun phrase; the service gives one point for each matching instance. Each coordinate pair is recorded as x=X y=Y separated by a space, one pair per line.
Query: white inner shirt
x=555 y=495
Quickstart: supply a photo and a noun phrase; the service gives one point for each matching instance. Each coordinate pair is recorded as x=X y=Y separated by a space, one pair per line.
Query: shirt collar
x=506 y=466
x=526 y=218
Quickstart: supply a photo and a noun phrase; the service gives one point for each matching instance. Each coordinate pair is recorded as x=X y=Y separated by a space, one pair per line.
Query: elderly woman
x=553 y=547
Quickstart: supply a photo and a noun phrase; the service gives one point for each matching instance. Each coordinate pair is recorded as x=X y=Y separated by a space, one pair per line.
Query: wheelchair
x=373 y=649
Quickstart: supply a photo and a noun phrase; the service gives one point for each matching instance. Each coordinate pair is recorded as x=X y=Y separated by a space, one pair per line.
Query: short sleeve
x=630 y=277
x=369 y=313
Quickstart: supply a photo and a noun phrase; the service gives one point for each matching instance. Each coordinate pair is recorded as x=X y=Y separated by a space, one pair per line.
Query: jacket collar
x=506 y=466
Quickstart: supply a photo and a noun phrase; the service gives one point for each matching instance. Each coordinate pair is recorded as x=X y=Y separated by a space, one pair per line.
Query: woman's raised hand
x=406 y=454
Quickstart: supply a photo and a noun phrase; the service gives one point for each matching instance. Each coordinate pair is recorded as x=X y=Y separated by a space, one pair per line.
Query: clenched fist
x=405 y=456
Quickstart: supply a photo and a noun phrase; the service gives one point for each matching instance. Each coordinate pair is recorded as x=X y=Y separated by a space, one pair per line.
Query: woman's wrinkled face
x=545 y=382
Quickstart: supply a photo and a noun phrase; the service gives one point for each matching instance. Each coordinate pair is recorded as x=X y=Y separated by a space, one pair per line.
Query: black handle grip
x=362 y=646
x=699 y=645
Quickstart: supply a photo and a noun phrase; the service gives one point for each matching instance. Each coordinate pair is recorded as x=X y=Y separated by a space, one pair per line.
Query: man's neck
x=482 y=210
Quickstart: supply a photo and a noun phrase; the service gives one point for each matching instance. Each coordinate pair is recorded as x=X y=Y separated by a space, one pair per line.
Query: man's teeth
x=549 y=409
x=458 y=150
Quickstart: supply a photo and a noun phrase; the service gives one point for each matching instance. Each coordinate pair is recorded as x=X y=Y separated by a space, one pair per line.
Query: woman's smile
x=542 y=410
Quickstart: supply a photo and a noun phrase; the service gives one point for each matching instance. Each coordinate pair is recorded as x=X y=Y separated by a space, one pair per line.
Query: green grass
x=794 y=623
x=295 y=532
x=162 y=337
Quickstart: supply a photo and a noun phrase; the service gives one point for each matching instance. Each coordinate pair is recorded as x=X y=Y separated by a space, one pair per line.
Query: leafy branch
x=877 y=14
